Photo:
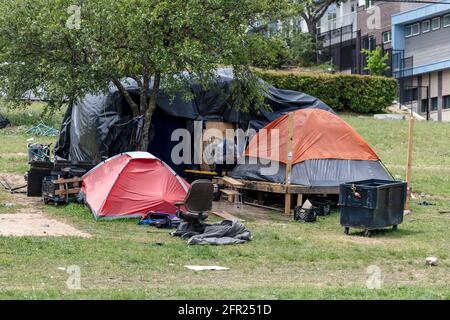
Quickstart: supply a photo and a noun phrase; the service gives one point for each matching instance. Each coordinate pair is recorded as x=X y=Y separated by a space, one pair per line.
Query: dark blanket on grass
x=3 y=122
x=223 y=233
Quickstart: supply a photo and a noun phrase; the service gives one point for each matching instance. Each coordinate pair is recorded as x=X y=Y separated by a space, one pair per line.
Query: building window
x=387 y=37
x=353 y=6
x=426 y=26
x=424 y=106
x=436 y=23
x=446 y=21
x=446 y=102
x=412 y=30
x=369 y=43
x=434 y=104
x=414 y=94
x=368 y=4
x=332 y=9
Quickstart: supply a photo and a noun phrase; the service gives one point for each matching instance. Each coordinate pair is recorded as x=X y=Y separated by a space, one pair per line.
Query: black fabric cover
x=3 y=122
x=316 y=173
x=222 y=233
x=101 y=125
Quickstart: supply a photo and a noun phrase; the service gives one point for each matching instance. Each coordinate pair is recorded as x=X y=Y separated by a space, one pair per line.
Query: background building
x=423 y=35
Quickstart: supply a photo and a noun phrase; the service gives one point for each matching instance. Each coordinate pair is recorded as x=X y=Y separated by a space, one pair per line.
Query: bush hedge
x=342 y=92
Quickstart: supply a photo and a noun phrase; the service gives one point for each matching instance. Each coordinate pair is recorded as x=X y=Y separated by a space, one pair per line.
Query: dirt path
x=30 y=219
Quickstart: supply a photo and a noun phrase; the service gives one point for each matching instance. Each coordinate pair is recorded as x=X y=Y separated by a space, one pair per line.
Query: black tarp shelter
x=101 y=125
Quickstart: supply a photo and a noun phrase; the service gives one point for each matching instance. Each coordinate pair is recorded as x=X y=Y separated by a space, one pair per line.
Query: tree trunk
x=134 y=107
x=148 y=114
x=312 y=27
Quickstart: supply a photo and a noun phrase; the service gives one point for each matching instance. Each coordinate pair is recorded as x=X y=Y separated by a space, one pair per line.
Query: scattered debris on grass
x=432 y=261
x=207 y=268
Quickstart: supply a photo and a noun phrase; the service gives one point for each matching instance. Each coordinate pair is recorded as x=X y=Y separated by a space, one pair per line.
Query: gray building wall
x=430 y=47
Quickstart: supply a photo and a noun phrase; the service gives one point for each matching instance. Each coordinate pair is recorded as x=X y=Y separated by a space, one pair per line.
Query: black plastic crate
x=372 y=204
x=323 y=205
x=305 y=215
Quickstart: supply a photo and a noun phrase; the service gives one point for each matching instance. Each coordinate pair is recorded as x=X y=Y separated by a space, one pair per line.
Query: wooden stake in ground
x=288 y=196
x=409 y=163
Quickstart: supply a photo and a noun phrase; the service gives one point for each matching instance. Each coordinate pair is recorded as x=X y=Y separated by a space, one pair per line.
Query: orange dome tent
x=326 y=151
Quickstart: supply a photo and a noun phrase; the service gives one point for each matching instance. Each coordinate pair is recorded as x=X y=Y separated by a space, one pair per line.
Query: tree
x=69 y=48
x=274 y=51
x=376 y=61
x=312 y=11
x=302 y=49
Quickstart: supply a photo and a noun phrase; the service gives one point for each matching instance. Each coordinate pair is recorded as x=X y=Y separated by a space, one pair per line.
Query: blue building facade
x=421 y=41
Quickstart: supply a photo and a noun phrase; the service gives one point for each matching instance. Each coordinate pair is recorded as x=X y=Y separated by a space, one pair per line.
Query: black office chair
x=198 y=202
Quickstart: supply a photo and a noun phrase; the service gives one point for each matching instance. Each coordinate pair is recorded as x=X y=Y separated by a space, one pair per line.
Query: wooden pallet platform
x=288 y=189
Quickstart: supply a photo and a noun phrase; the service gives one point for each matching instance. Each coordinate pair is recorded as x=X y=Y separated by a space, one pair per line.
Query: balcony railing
x=345 y=20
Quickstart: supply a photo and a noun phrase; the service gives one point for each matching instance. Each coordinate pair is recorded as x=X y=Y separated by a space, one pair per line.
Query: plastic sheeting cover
x=100 y=125
x=316 y=173
x=3 y=122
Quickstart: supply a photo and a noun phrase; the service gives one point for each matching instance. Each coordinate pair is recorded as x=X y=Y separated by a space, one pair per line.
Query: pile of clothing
x=3 y=122
x=160 y=220
x=223 y=233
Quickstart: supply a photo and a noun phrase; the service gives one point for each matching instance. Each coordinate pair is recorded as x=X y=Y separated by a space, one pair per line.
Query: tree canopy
x=69 y=48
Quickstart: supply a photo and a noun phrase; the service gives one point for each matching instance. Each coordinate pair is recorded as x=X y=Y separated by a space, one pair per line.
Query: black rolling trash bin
x=372 y=204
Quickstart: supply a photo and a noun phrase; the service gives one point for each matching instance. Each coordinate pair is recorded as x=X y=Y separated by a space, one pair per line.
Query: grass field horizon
x=286 y=259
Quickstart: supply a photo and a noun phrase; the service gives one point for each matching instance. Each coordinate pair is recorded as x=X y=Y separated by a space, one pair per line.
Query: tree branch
x=134 y=107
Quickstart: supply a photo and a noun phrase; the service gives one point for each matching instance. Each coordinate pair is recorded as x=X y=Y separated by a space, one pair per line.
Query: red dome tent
x=326 y=151
x=130 y=185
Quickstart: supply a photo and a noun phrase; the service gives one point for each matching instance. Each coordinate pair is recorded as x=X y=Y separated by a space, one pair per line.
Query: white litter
x=432 y=261
x=207 y=268
x=307 y=205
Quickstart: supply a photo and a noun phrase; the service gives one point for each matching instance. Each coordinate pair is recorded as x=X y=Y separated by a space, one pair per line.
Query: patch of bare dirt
x=31 y=220
x=37 y=225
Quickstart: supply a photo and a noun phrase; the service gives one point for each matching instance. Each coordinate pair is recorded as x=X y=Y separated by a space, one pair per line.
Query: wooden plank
x=299 y=199
x=409 y=163
x=288 y=197
x=225 y=215
x=272 y=187
x=206 y=173
x=229 y=192
x=287 y=204
x=63 y=181
x=233 y=182
x=289 y=148
x=68 y=191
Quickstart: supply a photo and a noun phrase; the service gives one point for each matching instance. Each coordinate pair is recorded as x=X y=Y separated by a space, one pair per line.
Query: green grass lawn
x=286 y=260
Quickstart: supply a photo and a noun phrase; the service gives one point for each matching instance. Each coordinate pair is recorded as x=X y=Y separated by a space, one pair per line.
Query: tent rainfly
x=130 y=185
x=326 y=151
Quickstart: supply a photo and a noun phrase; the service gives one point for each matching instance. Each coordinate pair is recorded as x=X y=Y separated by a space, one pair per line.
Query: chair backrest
x=200 y=196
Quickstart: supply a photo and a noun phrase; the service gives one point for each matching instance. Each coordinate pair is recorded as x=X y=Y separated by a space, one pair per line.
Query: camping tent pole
x=288 y=196
x=409 y=163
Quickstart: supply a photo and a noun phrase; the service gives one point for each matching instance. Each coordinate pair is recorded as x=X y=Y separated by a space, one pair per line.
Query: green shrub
x=342 y=92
